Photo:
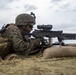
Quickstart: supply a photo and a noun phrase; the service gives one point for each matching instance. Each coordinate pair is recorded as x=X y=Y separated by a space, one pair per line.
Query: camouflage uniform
x=15 y=36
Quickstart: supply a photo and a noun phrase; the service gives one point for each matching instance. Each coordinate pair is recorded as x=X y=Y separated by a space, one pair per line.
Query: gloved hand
x=35 y=42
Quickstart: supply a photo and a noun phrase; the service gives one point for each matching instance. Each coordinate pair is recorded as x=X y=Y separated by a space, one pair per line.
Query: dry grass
x=38 y=66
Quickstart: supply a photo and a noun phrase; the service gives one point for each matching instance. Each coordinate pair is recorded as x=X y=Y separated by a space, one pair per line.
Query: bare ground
x=38 y=66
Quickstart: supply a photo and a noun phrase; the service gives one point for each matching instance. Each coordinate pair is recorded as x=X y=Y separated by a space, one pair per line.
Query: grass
x=38 y=66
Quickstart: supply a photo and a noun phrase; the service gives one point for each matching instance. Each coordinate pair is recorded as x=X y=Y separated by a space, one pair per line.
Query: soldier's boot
x=11 y=57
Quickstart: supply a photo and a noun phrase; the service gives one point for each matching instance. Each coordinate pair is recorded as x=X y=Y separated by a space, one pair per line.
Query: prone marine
x=14 y=40
x=18 y=43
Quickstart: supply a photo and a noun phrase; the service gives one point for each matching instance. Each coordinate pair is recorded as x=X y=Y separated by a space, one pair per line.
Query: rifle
x=44 y=31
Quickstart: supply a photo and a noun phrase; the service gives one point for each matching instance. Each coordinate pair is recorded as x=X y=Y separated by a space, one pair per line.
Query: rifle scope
x=45 y=27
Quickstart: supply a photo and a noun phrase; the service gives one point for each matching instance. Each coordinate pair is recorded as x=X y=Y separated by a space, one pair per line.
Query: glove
x=36 y=42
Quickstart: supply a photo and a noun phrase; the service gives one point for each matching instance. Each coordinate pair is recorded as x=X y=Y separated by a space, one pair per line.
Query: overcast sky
x=60 y=13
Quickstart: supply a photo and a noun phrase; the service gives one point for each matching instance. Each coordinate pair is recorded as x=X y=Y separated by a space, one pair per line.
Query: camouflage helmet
x=24 y=19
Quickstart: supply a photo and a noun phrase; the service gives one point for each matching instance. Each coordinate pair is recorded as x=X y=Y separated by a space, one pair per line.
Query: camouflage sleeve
x=15 y=36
